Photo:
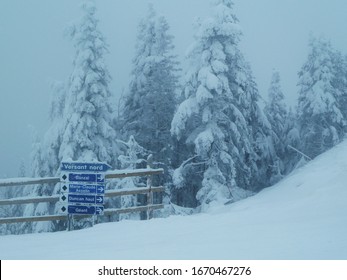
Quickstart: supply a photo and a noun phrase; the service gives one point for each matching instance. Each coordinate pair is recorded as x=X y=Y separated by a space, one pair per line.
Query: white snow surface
x=302 y=217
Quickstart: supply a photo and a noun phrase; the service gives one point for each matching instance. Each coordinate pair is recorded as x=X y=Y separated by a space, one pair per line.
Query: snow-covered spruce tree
x=276 y=113
x=88 y=133
x=261 y=160
x=49 y=155
x=133 y=156
x=12 y=210
x=292 y=158
x=53 y=137
x=151 y=100
x=320 y=118
x=80 y=115
x=45 y=163
x=340 y=82
x=38 y=164
x=219 y=119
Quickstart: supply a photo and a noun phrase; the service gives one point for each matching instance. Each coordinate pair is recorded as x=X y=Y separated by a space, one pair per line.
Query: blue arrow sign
x=77 y=177
x=81 y=209
x=84 y=189
x=84 y=177
x=99 y=199
x=85 y=199
x=100 y=178
x=100 y=189
x=99 y=210
x=84 y=166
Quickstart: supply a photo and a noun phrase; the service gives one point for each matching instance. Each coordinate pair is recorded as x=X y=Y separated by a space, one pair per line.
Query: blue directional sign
x=84 y=167
x=81 y=209
x=85 y=210
x=76 y=177
x=84 y=189
x=85 y=199
x=89 y=199
x=84 y=177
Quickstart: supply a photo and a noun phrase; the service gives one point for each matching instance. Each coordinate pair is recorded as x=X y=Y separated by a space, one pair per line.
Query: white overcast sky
x=34 y=51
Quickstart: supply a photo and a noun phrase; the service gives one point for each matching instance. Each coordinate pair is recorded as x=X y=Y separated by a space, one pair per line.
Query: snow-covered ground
x=302 y=217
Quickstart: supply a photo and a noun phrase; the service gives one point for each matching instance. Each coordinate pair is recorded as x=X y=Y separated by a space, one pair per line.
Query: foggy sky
x=34 y=51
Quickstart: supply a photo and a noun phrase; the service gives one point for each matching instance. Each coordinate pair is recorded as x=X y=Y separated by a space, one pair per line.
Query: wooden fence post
x=149 y=186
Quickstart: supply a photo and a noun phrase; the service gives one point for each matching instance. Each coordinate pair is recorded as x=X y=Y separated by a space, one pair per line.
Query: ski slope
x=302 y=217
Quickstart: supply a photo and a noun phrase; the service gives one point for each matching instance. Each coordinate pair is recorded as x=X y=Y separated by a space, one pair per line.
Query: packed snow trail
x=302 y=217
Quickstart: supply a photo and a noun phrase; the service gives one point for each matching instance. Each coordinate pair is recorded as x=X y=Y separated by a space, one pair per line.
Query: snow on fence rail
x=53 y=180
x=149 y=190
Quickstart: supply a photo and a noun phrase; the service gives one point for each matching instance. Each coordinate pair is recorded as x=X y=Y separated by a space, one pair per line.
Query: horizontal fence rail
x=26 y=200
x=107 y=212
x=149 y=190
x=55 y=198
x=53 y=180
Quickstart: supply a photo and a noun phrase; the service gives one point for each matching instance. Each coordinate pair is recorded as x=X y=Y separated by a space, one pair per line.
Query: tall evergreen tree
x=132 y=158
x=45 y=162
x=262 y=160
x=151 y=101
x=340 y=82
x=53 y=137
x=276 y=113
x=38 y=170
x=292 y=143
x=88 y=133
x=80 y=114
x=320 y=118
x=219 y=120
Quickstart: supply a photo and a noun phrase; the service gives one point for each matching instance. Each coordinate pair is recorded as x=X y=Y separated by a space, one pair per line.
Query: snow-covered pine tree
x=81 y=116
x=151 y=100
x=132 y=157
x=219 y=118
x=12 y=210
x=53 y=137
x=340 y=82
x=49 y=154
x=45 y=163
x=320 y=118
x=38 y=170
x=292 y=143
x=276 y=113
x=262 y=159
x=88 y=133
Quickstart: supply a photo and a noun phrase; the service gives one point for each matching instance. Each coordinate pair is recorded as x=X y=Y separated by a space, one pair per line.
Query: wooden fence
x=149 y=190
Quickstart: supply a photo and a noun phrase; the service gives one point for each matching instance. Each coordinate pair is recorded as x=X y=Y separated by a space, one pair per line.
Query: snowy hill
x=302 y=217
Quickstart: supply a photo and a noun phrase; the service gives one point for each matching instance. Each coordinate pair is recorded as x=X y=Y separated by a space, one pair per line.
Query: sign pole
x=94 y=220
x=69 y=222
